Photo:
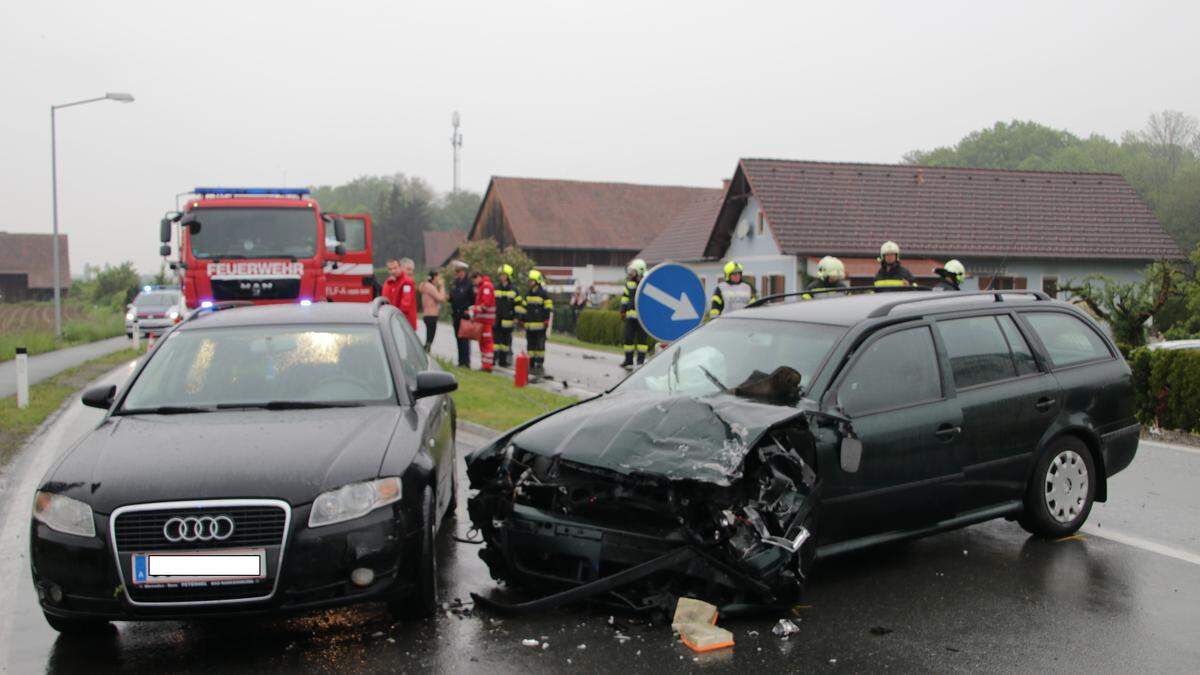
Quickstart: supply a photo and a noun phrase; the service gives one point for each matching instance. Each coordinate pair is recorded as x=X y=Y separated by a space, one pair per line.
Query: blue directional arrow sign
x=670 y=301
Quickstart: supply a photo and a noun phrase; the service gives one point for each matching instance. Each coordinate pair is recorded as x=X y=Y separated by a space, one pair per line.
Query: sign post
x=22 y=378
x=670 y=301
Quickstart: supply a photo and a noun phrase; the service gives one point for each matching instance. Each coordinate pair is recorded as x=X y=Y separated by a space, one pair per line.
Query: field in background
x=31 y=325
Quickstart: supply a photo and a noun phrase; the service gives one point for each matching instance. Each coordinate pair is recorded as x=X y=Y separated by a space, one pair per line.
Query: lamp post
x=111 y=96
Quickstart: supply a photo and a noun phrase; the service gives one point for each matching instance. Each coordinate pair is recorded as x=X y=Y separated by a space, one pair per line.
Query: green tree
x=486 y=256
x=456 y=210
x=116 y=285
x=1127 y=306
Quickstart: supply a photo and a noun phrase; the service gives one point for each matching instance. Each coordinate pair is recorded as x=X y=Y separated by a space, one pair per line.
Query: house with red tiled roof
x=440 y=245
x=1012 y=229
x=27 y=266
x=580 y=232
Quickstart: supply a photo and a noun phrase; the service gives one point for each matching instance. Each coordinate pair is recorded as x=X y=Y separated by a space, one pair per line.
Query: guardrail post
x=22 y=377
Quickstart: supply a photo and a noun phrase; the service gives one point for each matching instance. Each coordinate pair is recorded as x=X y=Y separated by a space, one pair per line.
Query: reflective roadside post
x=137 y=335
x=22 y=377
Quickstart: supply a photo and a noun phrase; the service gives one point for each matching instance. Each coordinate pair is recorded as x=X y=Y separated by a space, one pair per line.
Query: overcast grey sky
x=253 y=92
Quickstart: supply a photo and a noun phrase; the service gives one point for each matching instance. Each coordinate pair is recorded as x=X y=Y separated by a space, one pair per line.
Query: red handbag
x=470 y=330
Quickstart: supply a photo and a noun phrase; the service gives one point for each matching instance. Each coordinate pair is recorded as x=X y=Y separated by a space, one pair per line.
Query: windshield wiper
x=290 y=405
x=713 y=378
x=164 y=410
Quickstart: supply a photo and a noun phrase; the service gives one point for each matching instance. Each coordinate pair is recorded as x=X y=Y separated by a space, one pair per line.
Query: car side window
x=977 y=349
x=1067 y=339
x=404 y=349
x=1022 y=354
x=896 y=370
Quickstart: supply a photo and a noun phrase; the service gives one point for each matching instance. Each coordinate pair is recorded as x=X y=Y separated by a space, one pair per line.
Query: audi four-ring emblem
x=198 y=528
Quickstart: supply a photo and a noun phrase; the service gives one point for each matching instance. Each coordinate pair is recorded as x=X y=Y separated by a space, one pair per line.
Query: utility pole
x=456 y=143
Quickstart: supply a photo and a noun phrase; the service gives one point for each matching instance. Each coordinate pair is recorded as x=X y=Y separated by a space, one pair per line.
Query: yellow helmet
x=889 y=247
x=506 y=269
x=831 y=268
x=956 y=268
x=535 y=275
x=637 y=265
x=733 y=267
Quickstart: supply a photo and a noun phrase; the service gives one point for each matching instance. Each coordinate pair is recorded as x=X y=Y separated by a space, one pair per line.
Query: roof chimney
x=725 y=184
x=920 y=177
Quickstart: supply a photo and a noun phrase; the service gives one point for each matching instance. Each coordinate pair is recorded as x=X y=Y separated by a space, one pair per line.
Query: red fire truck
x=268 y=245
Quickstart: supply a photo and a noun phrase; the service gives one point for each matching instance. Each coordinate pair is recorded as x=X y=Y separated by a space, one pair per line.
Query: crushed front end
x=645 y=498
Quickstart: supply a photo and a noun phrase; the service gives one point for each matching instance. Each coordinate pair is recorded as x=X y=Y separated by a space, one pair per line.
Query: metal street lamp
x=111 y=96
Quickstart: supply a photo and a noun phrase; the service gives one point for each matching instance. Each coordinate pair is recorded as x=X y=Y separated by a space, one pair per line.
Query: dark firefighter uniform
x=635 y=335
x=535 y=312
x=892 y=273
x=507 y=299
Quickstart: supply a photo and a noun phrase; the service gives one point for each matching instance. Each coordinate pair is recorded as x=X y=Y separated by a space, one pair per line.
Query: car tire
x=80 y=627
x=1059 y=496
x=422 y=602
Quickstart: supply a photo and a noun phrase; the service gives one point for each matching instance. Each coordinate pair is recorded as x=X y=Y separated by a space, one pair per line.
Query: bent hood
x=677 y=436
x=291 y=455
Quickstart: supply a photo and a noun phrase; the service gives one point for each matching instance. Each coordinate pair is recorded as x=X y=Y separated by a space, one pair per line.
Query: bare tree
x=1173 y=133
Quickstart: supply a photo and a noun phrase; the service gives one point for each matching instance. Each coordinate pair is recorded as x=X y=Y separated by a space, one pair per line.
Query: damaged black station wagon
x=794 y=430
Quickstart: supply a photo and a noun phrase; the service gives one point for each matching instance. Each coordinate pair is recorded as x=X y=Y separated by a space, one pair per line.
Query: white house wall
x=758 y=253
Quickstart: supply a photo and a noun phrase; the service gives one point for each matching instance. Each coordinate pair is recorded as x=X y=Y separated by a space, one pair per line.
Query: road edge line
x=1144 y=544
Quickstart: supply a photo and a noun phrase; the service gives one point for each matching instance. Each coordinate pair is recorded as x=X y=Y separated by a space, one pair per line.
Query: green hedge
x=602 y=326
x=1167 y=387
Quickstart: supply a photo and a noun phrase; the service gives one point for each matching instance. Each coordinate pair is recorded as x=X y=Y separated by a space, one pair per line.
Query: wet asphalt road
x=986 y=598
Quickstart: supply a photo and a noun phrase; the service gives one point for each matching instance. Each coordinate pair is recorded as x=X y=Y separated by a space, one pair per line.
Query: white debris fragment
x=530 y=642
x=545 y=646
x=581 y=647
x=376 y=634
x=834 y=661
x=964 y=551
x=610 y=620
x=752 y=633
x=784 y=628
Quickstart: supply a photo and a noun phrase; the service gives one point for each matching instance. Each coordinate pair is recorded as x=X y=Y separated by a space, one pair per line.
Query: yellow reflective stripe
x=631 y=314
x=536 y=352
x=806 y=296
x=714 y=312
x=629 y=348
x=506 y=323
x=500 y=347
x=643 y=348
x=717 y=299
x=535 y=325
x=520 y=309
x=549 y=304
x=890 y=282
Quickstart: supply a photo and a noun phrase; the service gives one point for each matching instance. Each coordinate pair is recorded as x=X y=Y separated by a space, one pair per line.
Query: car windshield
x=269 y=365
x=253 y=233
x=149 y=300
x=753 y=358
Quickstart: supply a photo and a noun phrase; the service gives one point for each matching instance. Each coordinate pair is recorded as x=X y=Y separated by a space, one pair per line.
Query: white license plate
x=194 y=567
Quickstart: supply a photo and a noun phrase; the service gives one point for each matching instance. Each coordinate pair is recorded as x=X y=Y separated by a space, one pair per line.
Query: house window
x=759 y=221
x=772 y=284
x=749 y=278
x=990 y=283
x=1050 y=286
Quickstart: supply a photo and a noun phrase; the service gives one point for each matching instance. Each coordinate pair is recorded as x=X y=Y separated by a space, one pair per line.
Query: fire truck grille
x=255 y=289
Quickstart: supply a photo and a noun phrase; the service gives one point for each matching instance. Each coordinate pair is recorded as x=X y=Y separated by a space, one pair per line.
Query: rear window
x=155 y=299
x=1068 y=340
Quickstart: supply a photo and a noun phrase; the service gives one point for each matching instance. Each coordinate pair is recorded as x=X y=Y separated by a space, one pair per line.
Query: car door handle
x=947 y=431
x=1043 y=404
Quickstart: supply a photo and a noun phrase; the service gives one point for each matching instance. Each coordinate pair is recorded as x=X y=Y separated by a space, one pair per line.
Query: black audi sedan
x=793 y=431
x=259 y=460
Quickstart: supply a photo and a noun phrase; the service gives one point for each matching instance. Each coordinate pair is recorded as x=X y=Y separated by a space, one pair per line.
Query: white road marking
x=1173 y=446
x=1144 y=544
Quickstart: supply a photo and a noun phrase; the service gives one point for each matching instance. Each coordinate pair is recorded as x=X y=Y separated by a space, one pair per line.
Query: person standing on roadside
x=538 y=311
x=400 y=290
x=891 y=272
x=433 y=294
x=462 y=296
x=483 y=312
x=507 y=299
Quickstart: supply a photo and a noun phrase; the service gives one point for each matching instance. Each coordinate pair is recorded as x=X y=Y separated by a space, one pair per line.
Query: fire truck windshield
x=253 y=233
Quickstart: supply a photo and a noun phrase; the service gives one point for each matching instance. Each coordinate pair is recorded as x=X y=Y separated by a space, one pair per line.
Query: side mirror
x=434 y=382
x=851 y=454
x=99 y=397
x=164 y=231
x=164 y=250
x=339 y=230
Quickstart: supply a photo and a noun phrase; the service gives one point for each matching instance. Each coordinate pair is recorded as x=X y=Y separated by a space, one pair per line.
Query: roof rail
x=220 y=305
x=848 y=289
x=377 y=304
x=884 y=310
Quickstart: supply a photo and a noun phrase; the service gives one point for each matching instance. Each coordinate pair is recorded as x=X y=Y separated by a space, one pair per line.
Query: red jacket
x=484 y=308
x=402 y=292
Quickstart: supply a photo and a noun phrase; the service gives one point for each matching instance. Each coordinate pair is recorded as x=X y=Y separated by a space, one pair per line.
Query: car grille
x=253 y=526
x=255 y=289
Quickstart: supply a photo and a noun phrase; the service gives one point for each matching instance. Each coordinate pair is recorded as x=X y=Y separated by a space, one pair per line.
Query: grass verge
x=45 y=397
x=494 y=402
x=102 y=323
x=572 y=341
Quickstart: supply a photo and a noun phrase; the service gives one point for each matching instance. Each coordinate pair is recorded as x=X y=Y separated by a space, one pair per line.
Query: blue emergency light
x=297 y=192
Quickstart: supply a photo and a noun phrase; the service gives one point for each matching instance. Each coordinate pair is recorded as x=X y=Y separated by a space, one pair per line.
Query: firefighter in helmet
x=891 y=272
x=830 y=281
x=536 y=310
x=507 y=300
x=732 y=293
x=952 y=275
x=635 y=335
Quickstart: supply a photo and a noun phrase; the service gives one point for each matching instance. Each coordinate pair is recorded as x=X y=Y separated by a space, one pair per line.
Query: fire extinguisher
x=521 y=370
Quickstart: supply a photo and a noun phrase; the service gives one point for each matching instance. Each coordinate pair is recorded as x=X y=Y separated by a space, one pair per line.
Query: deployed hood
x=291 y=455
x=677 y=436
